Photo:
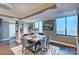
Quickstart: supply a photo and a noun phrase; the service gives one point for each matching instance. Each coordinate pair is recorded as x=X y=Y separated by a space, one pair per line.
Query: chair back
x=25 y=34
x=23 y=41
x=43 y=42
x=48 y=38
x=31 y=33
x=41 y=34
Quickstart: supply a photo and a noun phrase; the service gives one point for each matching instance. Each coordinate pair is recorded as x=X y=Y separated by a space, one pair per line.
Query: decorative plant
x=30 y=28
x=36 y=29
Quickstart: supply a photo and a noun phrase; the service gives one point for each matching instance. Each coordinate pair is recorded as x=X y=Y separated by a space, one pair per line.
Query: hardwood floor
x=6 y=45
x=5 y=48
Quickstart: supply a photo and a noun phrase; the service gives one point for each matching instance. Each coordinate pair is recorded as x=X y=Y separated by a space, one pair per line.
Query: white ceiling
x=21 y=9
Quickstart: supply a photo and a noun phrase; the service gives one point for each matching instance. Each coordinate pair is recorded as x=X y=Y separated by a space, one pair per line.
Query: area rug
x=17 y=50
x=52 y=50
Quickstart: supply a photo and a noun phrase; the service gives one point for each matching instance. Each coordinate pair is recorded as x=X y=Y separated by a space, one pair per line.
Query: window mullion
x=38 y=27
x=65 y=26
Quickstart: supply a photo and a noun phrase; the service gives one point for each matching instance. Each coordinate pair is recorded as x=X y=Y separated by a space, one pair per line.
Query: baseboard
x=5 y=39
x=71 y=45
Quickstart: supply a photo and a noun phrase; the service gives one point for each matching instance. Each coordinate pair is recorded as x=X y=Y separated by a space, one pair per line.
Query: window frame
x=65 y=26
x=56 y=28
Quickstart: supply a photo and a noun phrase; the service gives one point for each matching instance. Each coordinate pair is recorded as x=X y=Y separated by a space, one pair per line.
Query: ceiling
x=23 y=10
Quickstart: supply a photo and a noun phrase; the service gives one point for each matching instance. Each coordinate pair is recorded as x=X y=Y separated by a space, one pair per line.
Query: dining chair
x=41 y=34
x=25 y=34
x=43 y=44
x=48 y=42
x=49 y=39
x=31 y=33
x=24 y=44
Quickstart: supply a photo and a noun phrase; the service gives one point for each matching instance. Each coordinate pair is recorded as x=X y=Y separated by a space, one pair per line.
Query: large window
x=39 y=26
x=67 y=26
x=60 y=25
x=72 y=25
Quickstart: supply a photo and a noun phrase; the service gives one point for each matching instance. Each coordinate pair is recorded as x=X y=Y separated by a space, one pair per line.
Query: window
x=60 y=26
x=12 y=30
x=72 y=25
x=67 y=26
x=39 y=26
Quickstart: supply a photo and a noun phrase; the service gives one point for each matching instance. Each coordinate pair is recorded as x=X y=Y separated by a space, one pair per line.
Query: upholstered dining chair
x=48 y=39
x=43 y=44
x=25 y=44
x=41 y=33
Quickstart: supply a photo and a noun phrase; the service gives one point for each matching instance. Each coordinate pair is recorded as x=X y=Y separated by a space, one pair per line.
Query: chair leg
x=41 y=52
x=22 y=49
x=26 y=51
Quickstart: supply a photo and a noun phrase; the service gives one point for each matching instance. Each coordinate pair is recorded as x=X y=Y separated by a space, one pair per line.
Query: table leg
x=35 y=48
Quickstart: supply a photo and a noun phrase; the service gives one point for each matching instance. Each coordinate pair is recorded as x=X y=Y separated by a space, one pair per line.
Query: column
x=18 y=32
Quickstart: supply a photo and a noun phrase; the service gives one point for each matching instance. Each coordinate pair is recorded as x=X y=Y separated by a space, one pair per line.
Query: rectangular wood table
x=34 y=38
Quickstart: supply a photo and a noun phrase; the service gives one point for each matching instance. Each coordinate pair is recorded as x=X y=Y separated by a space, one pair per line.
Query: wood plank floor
x=5 y=48
x=6 y=45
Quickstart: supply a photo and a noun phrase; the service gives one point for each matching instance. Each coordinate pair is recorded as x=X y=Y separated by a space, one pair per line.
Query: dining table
x=35 y=38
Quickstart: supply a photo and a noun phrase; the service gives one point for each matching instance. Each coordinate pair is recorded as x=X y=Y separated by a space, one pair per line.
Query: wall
x=66 y=40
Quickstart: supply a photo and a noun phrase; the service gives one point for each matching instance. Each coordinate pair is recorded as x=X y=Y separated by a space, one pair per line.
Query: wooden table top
x=34 y=37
